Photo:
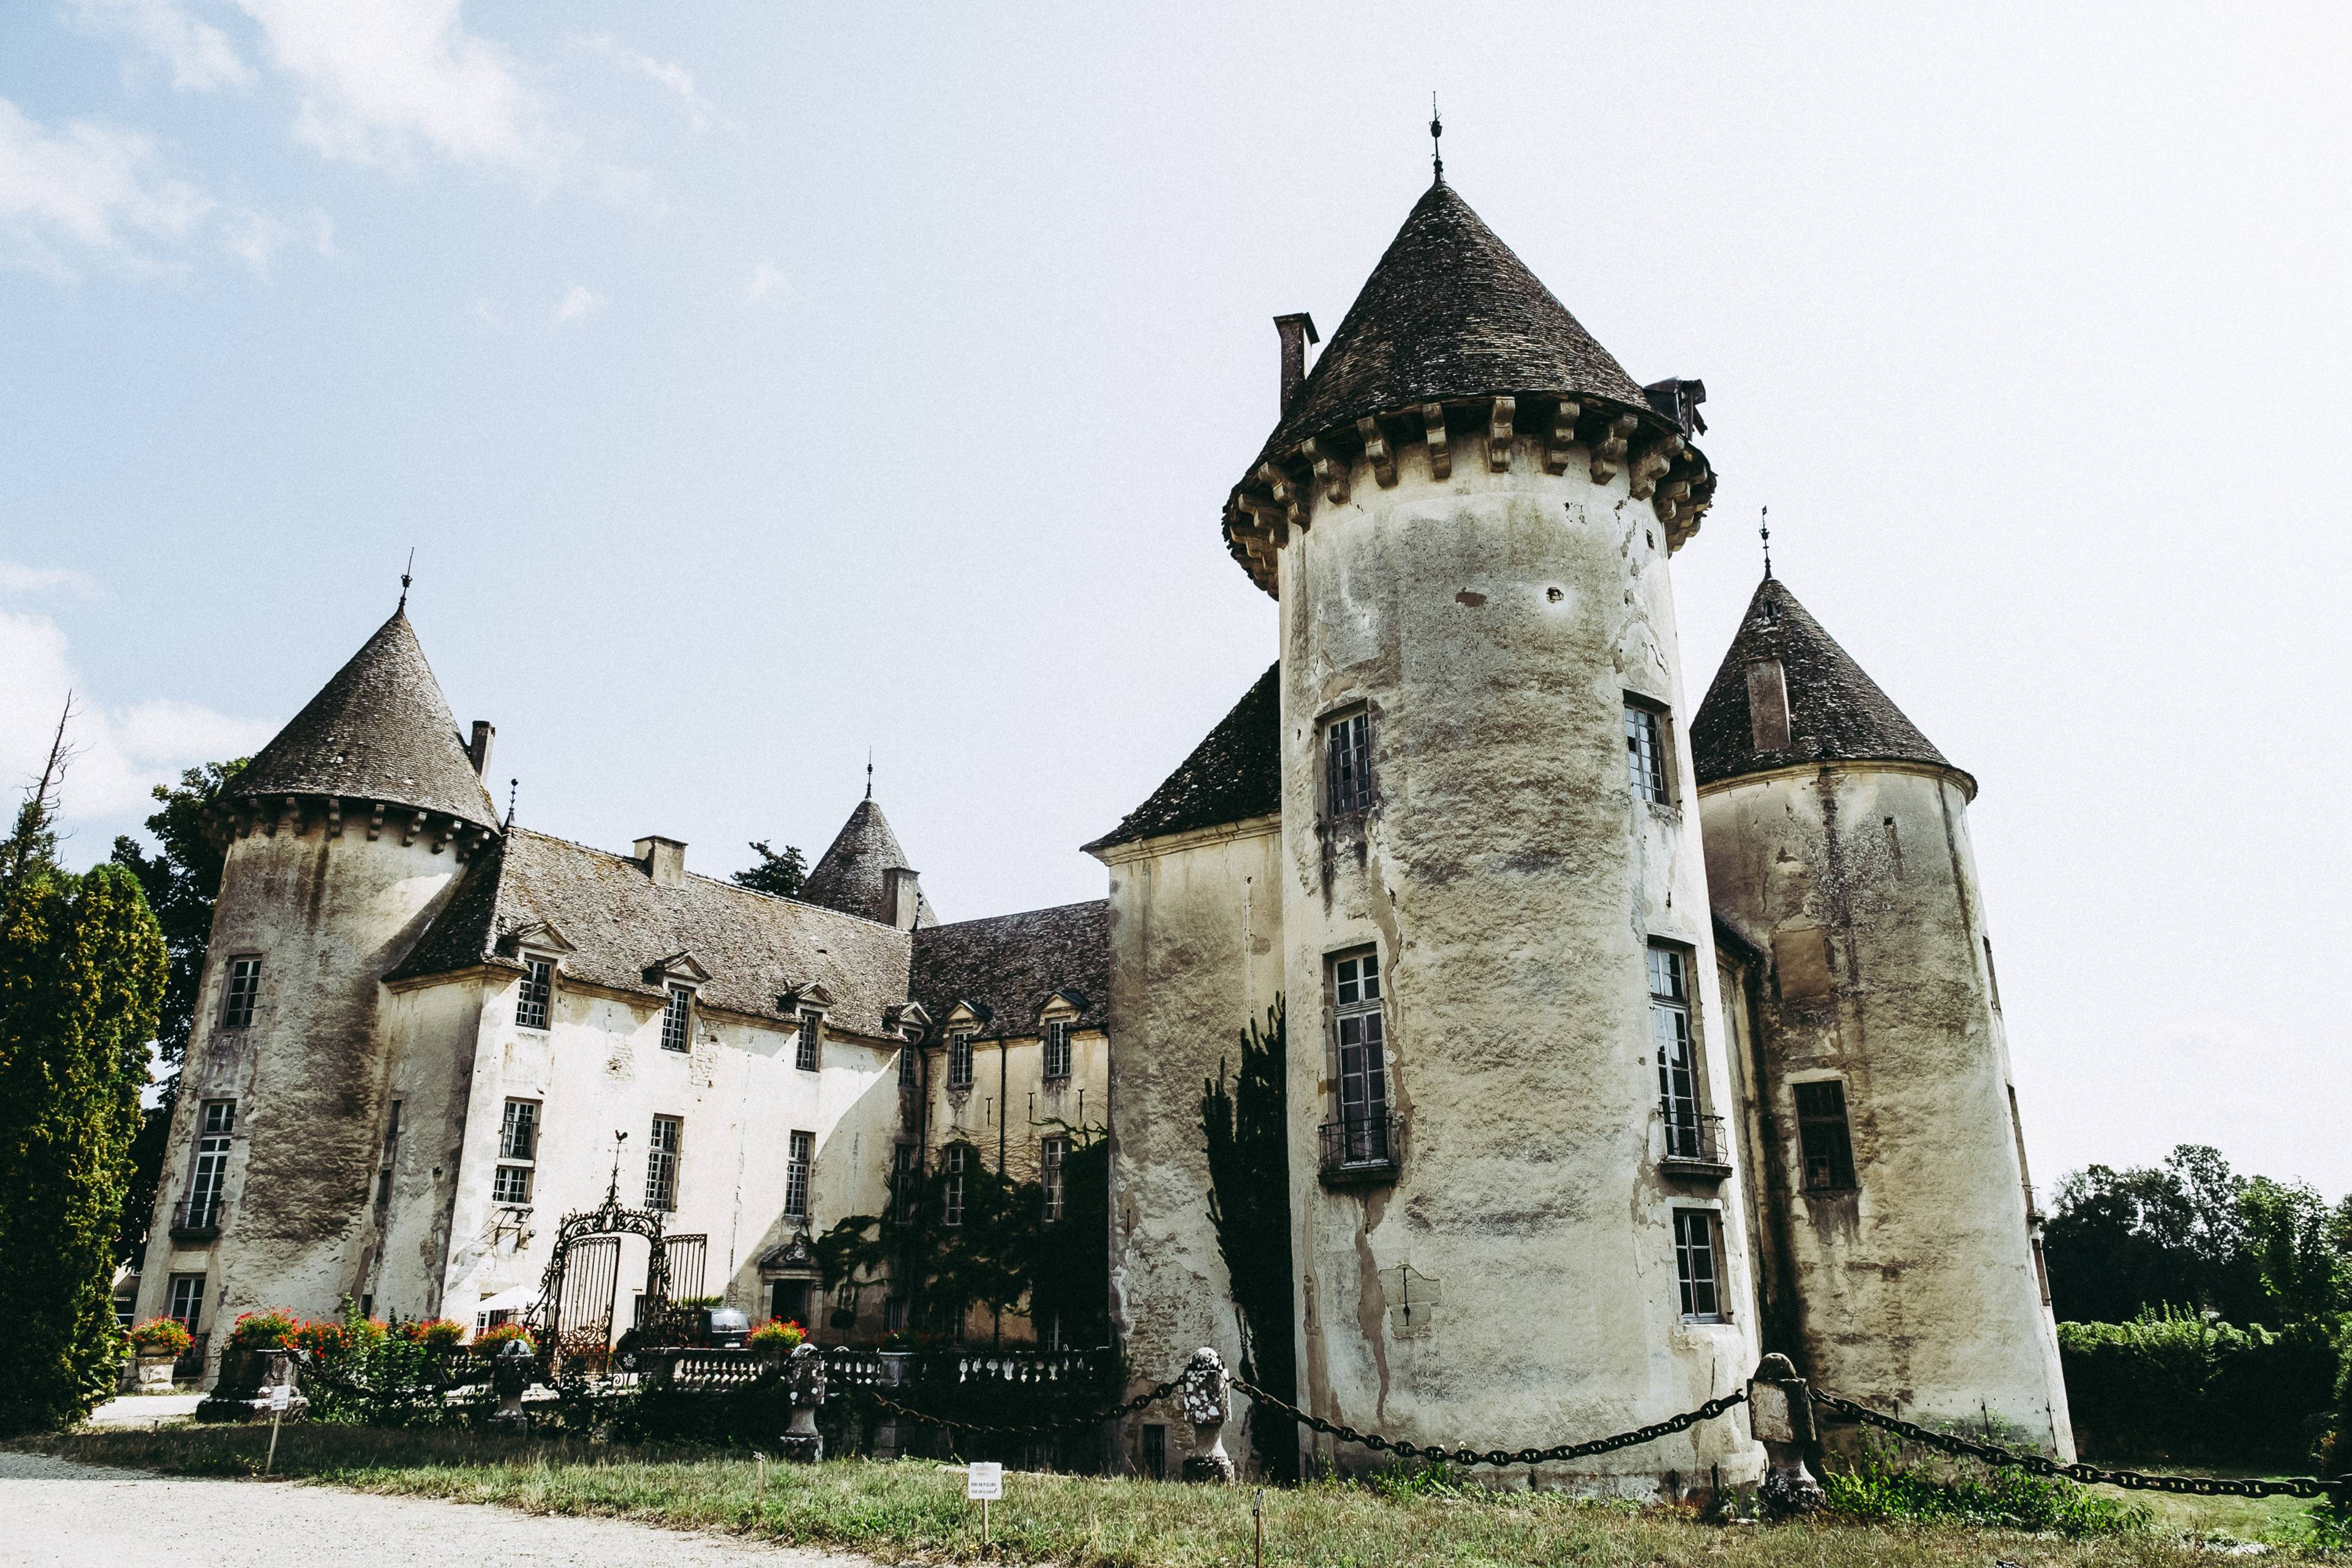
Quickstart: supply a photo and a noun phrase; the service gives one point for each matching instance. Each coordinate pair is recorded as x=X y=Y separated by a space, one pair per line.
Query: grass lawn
x=913 y=1511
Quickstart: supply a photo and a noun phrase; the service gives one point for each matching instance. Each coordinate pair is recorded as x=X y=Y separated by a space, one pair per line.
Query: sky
x=760 y=383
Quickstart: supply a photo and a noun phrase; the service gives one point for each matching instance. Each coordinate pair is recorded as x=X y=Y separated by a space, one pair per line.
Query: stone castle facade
x=1627 y=1039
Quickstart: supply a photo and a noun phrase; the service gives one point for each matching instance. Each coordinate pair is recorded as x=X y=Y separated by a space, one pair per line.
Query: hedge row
x=2176 y=1387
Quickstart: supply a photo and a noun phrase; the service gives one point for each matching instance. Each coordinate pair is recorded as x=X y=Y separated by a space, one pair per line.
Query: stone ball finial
x=804 y=1376
x=1775 y=1368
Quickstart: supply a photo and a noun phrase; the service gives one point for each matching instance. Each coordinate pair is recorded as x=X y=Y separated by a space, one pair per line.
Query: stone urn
x=1205 y=1391
x=804 y=1386
x=510 y=1374
x=155 y=1372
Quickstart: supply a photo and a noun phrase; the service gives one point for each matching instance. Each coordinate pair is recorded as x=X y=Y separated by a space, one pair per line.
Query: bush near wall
x=2174 y=1386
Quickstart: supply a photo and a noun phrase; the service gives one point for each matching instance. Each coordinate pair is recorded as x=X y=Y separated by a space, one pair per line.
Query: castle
x=1624 y=1040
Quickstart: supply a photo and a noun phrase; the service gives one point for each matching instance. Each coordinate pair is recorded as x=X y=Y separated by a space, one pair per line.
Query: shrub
x=2175 y=1384
x=1878 y=1488
x=777 y=1335
x=492 y=1339
x=699 y=1303
x=432 y=1333
x=271 y=1329
x=160 y=1336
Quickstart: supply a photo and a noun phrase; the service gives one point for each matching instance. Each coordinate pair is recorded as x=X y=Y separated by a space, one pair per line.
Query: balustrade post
x=1780 y=1415
x=804 y=1386
x=1204 y=1390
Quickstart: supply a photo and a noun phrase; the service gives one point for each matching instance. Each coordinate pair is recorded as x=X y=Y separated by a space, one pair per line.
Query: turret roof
x=1450 y=311
x=380 y=729
x=1233 y=774
x=1836 y=713
x=851 y=876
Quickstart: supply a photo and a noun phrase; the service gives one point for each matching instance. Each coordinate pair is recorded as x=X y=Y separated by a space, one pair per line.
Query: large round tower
x=346 y=835
x=1514 y=1216
x=1898 y=1201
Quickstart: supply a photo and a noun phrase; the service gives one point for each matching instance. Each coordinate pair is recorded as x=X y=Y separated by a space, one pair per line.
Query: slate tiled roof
x=1449 y=312
x=1836 y=713
x=380 y=729
x=850 y=876
x=1008 y=965
x=619 y=923
x=1232 y=776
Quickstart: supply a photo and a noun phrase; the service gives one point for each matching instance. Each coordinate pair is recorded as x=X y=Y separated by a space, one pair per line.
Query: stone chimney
x=1297 y=330
x=904 y=896
x=664 y=860
x=477 y=751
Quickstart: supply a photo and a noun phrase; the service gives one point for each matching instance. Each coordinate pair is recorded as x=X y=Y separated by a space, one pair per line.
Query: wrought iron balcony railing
x=1362 y=1149
x=198 y=1219
x=1695 y=1146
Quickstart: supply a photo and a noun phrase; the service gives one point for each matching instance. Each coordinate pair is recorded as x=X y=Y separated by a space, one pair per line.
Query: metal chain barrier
x=2090 y=1475
x=1039 y=1429
x=1437 y=1453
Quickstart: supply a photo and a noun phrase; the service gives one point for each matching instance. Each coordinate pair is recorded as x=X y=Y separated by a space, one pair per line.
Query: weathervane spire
x=870 y=773
x=513 y=786
x=405 y=578
x=1764 y=528
x=1436 y=130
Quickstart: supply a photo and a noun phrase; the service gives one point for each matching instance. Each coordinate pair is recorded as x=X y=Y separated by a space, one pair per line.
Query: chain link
x=1039 y=1429
x=1437 y=1453
x=2092 y=1475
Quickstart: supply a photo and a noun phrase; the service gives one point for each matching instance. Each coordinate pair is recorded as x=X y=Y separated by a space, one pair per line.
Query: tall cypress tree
x=1248 y=1133
x=81 y=976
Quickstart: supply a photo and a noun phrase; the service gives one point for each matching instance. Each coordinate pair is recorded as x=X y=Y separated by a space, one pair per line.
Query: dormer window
x=538 y=990
x=677 y=1019
x=910 y=1067
x=960 y=1060
x=1347 y=764
x=806 y=1043
x=1057 y=1049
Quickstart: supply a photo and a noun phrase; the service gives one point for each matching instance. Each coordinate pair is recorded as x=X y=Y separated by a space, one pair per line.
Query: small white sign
x=983 y=1482
x=281 y=1396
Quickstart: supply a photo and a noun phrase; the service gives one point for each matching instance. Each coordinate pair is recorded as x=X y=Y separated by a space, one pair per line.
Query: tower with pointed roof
x=1515 y=1214
x=1903 y=1256
x=346 y=835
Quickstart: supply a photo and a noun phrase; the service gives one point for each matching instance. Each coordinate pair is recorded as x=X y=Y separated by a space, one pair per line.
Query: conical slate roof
x=1836 y=713
x=1449 y=312
x=380 y=729
x=850 y=876
x=1232 y=776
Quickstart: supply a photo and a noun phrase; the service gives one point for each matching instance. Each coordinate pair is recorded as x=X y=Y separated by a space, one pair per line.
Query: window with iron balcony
x=1361 y=1146
x=1694 y=1141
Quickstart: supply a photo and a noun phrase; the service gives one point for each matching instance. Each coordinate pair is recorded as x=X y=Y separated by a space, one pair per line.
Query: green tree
x=1248 y=1133
x=779 y=874
x=182 y=880
x=81 y=976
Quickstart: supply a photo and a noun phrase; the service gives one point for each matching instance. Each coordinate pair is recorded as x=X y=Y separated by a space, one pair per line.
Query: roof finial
x=1764 y=527
x=404 y=579
x=870 y=773
x=1436 y=130
x=513 y=786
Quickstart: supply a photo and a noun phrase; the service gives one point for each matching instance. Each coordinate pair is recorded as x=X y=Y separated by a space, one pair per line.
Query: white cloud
x=256 y=238
x=200 y=55
x=16 y=578
x=578 y=301
x=769 y=281
x=383 y=79
x=669 y=74
x=123 y=752
x=94 y=188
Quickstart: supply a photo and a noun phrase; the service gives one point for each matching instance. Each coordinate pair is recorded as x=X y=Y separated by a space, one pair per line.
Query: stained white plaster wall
x=1917 y=1291
x=1492 y=623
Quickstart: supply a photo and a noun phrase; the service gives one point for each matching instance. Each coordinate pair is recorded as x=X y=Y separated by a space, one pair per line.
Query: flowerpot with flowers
x=260 y=1355
x=774 y=1340
x=157 y=1346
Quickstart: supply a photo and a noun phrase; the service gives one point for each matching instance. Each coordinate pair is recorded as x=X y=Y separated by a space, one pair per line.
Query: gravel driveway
x=56 y=1512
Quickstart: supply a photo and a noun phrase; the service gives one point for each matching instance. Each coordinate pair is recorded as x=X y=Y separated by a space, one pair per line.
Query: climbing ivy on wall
x=1248 y=1131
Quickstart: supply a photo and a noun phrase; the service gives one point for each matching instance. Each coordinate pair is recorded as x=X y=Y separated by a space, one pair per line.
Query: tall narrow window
x=959 y=1062
x=906 y=1181
x=1645 y=753
x=242 y=992
x=388 y=1159
x=1057 y=1049
x=1347 y=764
x=796 y=1175
x=911 y=1065
x=1670 y=1033
x=661 y=1163
x=209 y=1174
x=1049 y=1174
x=538 y=987
x=1823 y=1136
x=517 y=1153
x=804 y=1044
x=187 y=1300
x=678 y=1014
x=1363 y=1066
x=1696 y=1265
x=951 y=1190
